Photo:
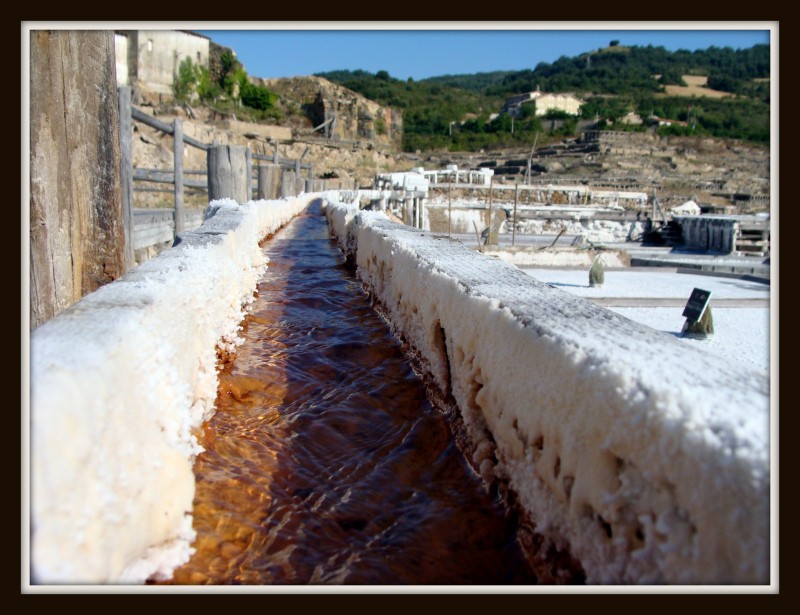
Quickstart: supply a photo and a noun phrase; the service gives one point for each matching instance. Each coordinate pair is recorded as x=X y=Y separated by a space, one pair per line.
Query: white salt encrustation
x=646 y=460
x=120 y=383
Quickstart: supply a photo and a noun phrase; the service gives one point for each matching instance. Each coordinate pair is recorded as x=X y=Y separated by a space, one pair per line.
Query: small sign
x=697 y=303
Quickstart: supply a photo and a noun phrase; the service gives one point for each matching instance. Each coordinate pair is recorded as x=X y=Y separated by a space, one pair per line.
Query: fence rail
x=149 y=120
x=166 y=176
x=285 y=180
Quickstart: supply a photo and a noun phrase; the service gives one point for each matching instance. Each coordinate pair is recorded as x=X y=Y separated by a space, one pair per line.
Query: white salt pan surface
x=741 y=334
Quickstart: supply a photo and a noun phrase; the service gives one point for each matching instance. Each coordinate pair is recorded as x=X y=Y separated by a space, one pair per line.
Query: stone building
x=148 y=60
x=545 y=101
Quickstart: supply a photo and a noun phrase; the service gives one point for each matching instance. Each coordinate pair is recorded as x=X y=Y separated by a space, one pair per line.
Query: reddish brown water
x=325 y=462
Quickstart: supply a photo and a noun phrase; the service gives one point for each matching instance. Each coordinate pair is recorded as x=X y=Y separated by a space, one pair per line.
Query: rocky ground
x=731 y=175
x=346 y=163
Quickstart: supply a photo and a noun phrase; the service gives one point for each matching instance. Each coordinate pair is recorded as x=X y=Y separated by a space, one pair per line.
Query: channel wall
x=120 y=383
x=634 y=458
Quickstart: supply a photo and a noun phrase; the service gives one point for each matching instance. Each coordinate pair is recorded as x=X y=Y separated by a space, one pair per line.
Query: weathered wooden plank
x=126 y=170
x=149 y=120
x=286 y=163
x=178 y=173
x=288 y=186
x=248 y=156
x=167 y=177
x=156 y=226
x=77 y=234
x=269 y=176
x=227 y=173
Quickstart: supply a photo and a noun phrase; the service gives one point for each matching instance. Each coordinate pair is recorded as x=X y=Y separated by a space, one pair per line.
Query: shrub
x=184 y=82
x=256 y=96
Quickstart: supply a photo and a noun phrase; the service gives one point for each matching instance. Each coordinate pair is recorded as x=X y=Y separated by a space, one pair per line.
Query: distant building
x=631 y=118
x=545 y=101
x=148 y=60
x=662 y=121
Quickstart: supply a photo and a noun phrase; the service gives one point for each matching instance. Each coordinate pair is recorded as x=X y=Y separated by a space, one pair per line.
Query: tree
x=207 y=90
x=184 y=82
x=613 y=43
x=231 y=73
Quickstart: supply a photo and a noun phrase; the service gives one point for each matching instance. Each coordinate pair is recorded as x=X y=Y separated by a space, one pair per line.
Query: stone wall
x=633 y=458
x=356 y=118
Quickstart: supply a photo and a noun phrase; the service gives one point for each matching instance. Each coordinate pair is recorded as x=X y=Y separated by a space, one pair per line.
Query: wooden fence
x=277 y=178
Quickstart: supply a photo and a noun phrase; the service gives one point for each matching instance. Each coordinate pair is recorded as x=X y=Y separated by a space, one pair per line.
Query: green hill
x=455 y=111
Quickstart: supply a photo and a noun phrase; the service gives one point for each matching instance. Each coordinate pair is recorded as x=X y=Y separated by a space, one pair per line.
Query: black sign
x=697 y=304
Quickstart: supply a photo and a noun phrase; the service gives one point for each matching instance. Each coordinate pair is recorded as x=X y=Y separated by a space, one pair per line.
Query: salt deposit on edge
x=648 y=467
x=120 y=381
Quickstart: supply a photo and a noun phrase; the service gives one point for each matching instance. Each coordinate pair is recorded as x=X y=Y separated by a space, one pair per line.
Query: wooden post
x=267 y=184
x=126 y=170
x=449 y=206
x=249 y=164
x=227 y=170
x=288 y=184
x=77 y=236
x=177 y=132
x=514 y=221
x=489 y=238
x=276 y=159
x=262 y=181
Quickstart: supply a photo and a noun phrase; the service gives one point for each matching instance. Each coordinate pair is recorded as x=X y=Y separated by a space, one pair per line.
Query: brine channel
x=325 y=462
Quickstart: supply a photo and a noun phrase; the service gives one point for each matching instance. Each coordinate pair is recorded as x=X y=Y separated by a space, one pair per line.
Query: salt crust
x=646 y=459
x=120 y=383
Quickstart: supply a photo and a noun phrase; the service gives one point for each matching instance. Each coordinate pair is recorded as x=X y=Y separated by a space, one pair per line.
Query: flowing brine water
x=325 y=463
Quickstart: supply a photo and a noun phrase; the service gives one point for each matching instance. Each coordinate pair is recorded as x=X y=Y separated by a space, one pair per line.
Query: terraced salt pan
x=647 y=460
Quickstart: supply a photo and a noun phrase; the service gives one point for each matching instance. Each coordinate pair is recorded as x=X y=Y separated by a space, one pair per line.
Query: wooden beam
x=149 y=120
x=126 y=170
x=178 y=154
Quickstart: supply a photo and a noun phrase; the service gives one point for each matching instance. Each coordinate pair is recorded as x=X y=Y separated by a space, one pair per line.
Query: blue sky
x=421 y=53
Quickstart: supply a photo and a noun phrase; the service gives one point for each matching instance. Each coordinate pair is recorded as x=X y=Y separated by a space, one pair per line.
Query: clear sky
x=420 y=50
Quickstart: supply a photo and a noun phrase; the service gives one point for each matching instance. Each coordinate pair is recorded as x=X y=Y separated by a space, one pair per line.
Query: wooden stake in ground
x=449 y=206
x=514 y=222
x=489 y=240
x=699 y=322
x=701 y=329
x=477 y=236
x=596 y=273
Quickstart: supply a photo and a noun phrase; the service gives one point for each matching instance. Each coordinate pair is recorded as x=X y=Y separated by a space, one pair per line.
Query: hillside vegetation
x=455 y=112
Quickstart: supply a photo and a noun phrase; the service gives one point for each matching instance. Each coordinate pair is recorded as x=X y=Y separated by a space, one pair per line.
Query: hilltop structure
x=545 y=101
